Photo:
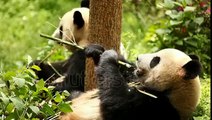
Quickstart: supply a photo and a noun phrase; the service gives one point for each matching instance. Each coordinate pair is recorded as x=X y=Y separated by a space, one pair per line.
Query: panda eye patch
x=154 y=61
x=61 y=31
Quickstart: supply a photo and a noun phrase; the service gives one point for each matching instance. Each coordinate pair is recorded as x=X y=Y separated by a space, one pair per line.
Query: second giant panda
x=73 y=27
x=169 y=75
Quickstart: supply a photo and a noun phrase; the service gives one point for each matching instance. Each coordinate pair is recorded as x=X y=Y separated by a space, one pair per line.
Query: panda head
x=173 y=71
x=73 y=27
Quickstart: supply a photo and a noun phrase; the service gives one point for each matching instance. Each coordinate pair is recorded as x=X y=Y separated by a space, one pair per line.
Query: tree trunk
x=105 y=29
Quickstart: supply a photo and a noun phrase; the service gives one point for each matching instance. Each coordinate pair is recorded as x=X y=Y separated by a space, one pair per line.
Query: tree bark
x=104 y=29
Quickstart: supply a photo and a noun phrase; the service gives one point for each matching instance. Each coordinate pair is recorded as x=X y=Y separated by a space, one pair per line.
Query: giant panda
x=73 y=27
x=169 y=75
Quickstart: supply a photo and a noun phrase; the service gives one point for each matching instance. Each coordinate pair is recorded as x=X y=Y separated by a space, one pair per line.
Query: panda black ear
x=194 y=57
x=85 y=3
x=78 y=19
x=192 y=69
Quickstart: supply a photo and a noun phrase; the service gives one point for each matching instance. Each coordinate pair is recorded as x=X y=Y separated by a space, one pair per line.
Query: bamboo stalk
x=77 y=46
x=61 y=41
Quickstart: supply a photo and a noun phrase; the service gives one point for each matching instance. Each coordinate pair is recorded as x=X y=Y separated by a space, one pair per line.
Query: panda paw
x=109 y=56
x=94 y=51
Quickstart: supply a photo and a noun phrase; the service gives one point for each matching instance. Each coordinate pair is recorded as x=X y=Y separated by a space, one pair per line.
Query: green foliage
x=146 y=27
x=186 y=26
x=137 y=17
x=22 y=97
x=22 y=22
x=203 y=109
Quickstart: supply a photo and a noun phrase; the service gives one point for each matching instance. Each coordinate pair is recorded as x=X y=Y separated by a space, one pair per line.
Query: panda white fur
x=169 y=74
x=73 y=27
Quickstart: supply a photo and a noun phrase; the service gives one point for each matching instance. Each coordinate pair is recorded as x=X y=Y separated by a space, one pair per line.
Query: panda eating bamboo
x=73 y=27
x=169 y=74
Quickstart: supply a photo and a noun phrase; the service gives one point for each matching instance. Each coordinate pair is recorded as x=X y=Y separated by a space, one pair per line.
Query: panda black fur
x=169 y=74
x=85 y=3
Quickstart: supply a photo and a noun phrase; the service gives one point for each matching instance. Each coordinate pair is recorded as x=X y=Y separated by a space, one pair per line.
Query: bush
x=22 y=97
x=185 y=27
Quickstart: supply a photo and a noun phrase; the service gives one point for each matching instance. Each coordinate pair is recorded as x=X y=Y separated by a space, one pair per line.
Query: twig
x=125 y=64
x=77 y=46
x=46 y=57
x=54 y=69
x=61 y=41
x=73 y=41
x=146 y=93
x=138 y=84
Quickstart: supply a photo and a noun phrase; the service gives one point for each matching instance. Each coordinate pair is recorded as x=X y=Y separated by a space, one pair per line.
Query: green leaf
x=19 y=81
x=168 y=4
x=179 y=42
x=8 y=75
x=174 y=22
x=189 y=9
x=29 y=59
x=31 y=73
x=58 y=98
x=65 y=107
x=173 y=15
x=18 y=103
x=192 y=43
x=51 y=87
x=35 y=67
x=23 y=91
x=4 y=98
x=40 y=85
x=35 y=109
x=30 y=83
x=12 y=116
x=47 y=110
x=35 y=119
x=162 y=31
x=2 y=85
x=66 y=93
x=10 y=108
x=199 y=20
x=188 y=2
x=177 y=3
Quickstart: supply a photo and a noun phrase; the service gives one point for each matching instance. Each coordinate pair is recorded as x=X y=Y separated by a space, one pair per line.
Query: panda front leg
x=47 y=71
x=115 y=94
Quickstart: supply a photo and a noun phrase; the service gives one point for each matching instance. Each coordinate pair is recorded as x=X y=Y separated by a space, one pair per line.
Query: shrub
x=186 y=26
x=22 y=97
